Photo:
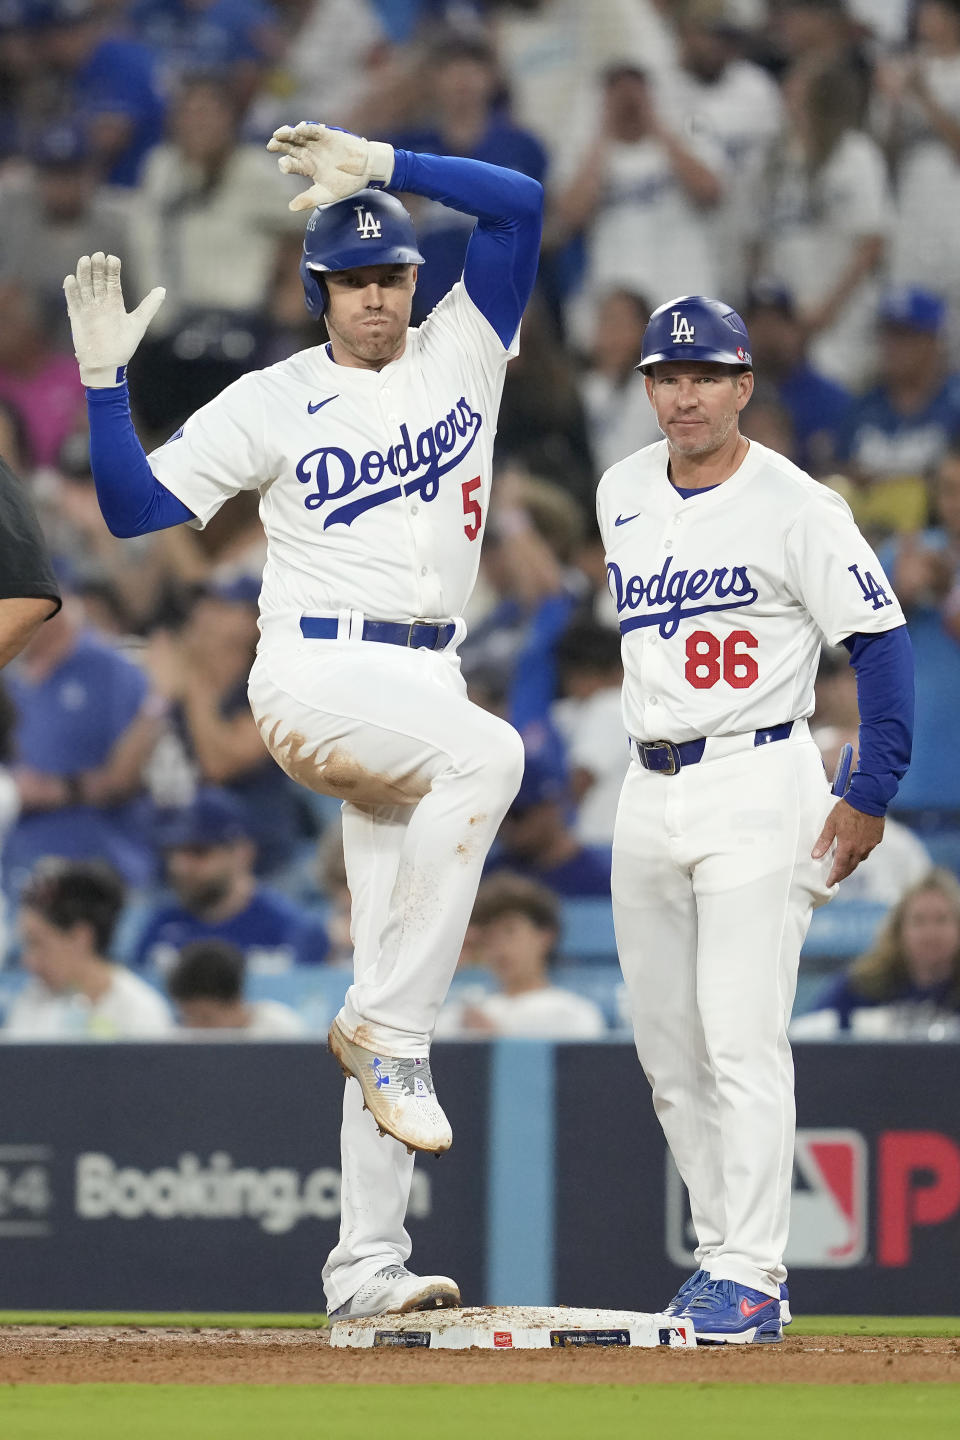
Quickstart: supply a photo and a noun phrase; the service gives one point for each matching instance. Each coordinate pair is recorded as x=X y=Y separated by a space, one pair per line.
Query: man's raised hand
x=104 y=335
x=338 y=163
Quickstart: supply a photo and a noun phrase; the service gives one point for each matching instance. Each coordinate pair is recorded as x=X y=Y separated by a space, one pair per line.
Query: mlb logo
x=828 y=1211
x=502 y=1340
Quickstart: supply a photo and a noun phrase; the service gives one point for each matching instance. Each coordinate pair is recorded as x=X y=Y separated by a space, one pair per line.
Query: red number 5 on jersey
x=708 y=660
x=471 y=507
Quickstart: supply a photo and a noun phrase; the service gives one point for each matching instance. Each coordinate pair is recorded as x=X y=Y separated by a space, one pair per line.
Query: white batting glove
x=338 y=163
x=104 y=335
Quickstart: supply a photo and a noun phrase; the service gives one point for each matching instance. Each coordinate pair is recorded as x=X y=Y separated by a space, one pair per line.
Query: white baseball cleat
x=394 y=1291
x=398 y=1093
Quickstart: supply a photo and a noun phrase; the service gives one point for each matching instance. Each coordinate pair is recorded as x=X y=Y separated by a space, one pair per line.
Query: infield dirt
x=80 y=1355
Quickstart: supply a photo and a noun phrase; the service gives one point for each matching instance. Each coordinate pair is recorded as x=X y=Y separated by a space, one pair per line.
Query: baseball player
x=729 y=567
x=372 y=457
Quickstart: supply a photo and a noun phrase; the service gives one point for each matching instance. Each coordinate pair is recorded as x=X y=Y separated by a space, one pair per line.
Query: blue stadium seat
x=933 y=781
x=838 y=931
x=843 y=929
x=940 y=832
x=588 y=931
x=315 y=991
x=944 y=847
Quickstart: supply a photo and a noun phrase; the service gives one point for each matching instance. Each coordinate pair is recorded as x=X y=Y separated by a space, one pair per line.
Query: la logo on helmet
x=683 y=332
x=368 y=226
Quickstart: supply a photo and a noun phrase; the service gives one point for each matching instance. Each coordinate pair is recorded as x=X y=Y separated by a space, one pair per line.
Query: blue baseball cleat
x=725 y=1313
x=785 y=1317
x=685 y=1293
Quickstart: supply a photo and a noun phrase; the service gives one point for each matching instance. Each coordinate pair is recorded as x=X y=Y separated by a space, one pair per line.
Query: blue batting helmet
x=694 y=327
x=369 y=228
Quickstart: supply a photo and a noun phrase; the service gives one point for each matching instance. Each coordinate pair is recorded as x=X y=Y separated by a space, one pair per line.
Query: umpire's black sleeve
x=25 y=568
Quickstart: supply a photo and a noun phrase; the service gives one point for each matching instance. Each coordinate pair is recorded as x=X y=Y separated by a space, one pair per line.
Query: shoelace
x=715 y=1295
x=375 y=1283
x=692 y=1284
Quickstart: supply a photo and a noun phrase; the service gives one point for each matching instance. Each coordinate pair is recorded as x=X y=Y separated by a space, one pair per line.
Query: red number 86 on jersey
x=708 y=660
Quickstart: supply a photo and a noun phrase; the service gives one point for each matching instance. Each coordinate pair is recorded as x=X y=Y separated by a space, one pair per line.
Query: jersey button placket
x=386 y=402
x=654 y=675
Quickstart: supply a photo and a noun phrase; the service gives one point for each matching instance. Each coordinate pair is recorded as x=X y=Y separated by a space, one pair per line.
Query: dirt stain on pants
x=338 y=773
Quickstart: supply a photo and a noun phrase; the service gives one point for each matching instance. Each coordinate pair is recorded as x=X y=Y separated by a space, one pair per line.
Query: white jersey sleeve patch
x=835 y=574
x=218 y=452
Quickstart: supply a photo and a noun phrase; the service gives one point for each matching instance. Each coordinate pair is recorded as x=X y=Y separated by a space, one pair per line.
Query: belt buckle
x=433 y=625
x=671 y=750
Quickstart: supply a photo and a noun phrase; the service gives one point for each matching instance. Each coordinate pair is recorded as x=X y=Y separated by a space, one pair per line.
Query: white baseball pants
x=713 y=888
x=426 y=777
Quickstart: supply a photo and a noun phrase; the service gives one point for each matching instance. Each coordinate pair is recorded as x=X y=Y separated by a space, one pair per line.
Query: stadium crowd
x=800 y=158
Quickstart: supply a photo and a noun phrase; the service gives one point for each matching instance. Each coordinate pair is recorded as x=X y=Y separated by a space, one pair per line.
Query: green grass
x=921 y=1326
x=472 y=1412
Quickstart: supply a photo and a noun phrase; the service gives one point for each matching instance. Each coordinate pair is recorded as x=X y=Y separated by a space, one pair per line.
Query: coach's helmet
x=694 y=327
x=369 y=228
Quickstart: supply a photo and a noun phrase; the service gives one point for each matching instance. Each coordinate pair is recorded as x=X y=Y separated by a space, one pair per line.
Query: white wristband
x=381 y=160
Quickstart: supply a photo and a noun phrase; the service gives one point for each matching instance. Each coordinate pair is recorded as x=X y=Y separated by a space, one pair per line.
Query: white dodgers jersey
x=374 y=485
x=725 y=598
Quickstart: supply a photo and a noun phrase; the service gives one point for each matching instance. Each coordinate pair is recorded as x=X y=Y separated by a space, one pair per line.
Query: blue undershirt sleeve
x=534 y=686
x=885 y=693
x=501 y=262
x=132 y=500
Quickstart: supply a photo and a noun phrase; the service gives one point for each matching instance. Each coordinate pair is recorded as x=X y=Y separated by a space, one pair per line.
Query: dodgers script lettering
x=438 y=449
x=669 y=596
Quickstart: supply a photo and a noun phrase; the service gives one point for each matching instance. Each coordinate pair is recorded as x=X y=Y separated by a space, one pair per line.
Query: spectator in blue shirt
x=209 y=863
x=20 y=70
x=202 y=670
x=108 y=82
x=87 y=722
x=531 y=540
x=914 y=961
x=536 y=840
x=925 y=569
x=896 y=435
x=816 y=405
x=235 y=39
x=467 y=121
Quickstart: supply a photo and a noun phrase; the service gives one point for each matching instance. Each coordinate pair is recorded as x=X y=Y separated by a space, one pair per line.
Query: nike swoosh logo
x=746 y=1309
x=624 y=519
x=312 y=409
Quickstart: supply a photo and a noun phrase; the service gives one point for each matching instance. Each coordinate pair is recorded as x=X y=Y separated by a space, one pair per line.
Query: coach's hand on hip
x=856 y=835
